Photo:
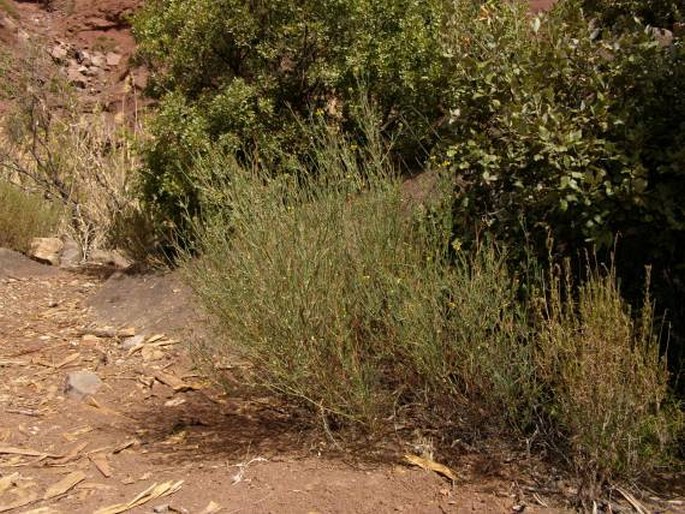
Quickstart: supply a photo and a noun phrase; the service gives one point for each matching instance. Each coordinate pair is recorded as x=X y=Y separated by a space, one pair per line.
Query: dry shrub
x=84 y=160
x=608 y=399
x=302 y=276
x=339 y=296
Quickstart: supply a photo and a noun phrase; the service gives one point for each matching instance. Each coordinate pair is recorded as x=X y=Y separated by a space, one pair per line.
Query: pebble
x=80 y=384
x=131 y=342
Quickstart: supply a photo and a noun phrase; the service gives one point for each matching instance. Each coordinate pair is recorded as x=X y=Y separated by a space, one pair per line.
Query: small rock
x=86 y=59
x=160 y=509
x=98 y=60
x=109 y=258
x=76 y=79
x=126 y=332
x=59 y=53
x=113 y=59
x=132 y=342
x=87 y=71
x=46 y=249
x=80 y=384
x=71 y=254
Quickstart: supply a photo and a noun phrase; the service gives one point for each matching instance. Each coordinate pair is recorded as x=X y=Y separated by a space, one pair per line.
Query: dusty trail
x=155 y=421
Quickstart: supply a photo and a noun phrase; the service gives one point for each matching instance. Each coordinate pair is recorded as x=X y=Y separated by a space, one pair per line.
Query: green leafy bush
x=555 y=131
x=559 y=129
x=240 y=76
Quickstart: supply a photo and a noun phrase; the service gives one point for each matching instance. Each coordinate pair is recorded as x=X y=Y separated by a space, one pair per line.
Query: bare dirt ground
x=156 y=422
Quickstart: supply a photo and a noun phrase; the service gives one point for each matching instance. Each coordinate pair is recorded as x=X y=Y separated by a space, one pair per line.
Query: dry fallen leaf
x=105 y=410
x=175 y=402
x=174 y=382
x=72 y=436
x=25 y=412
x=9 y=362
x=125 y=445
x=7 y=481
x=135 y=349
x=165 y=342
x=28 y=452
x=126 y=332
x=101 y=462
x=151 y=348
x=151 y=493
x=94 y=486
x=72 y=358
x=211 y=508
x=431 y=465
x=65 y=485
x=72 y=455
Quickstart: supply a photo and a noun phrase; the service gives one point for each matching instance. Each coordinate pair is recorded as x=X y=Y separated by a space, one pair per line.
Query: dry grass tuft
x=24 y=216
x=608 y=384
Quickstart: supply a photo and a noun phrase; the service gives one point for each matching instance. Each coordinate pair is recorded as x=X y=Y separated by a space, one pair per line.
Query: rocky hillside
x=90 y=41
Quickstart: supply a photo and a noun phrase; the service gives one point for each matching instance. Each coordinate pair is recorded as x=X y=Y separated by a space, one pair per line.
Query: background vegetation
x=241 y=77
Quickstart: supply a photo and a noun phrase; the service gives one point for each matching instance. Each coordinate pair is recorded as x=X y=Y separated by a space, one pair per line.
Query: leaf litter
x=153 y=492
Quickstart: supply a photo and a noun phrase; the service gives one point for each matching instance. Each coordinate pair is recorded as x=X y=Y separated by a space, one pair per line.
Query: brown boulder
x=46 y=250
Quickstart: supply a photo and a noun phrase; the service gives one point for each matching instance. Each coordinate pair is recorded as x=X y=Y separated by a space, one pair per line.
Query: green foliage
x=24 y=216
x=558 y=132
x=657 y=13
x=566 y=129
x=239 y=77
